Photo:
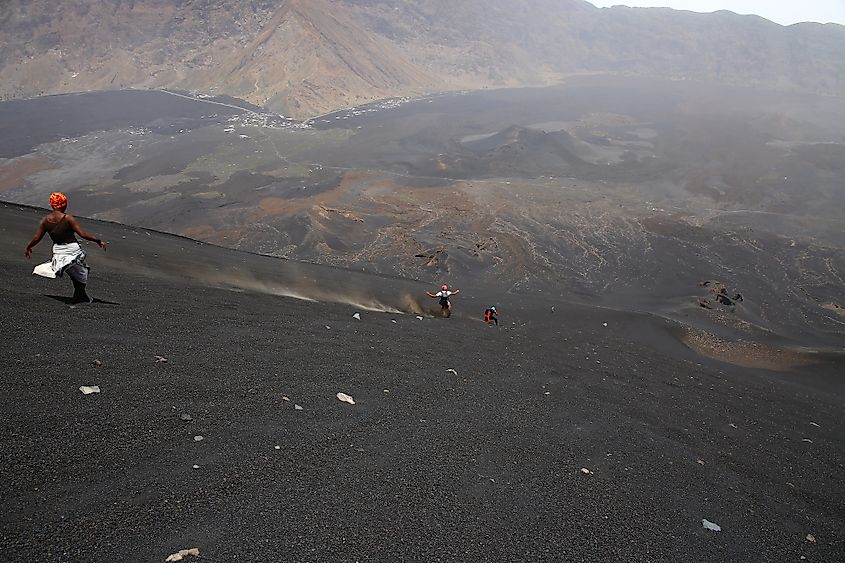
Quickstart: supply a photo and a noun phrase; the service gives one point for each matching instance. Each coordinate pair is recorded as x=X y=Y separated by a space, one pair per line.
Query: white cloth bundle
x=64 y=256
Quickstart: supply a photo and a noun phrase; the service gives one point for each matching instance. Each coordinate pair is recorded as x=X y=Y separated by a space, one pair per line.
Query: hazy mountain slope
x=309 y=57
x=301 y=58
x=722 y=46
x=114 y=43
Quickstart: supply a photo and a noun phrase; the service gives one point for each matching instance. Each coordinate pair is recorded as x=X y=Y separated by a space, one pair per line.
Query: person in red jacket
x=490 y=316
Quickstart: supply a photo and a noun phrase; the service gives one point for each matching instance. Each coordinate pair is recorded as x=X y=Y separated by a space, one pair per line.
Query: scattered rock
x=811 y=538
x=195 y=466
x=708 y=525
x=328 y=327
x=720 y=293
x=285 y=398
x=724 y=300
x=297 y=407
x=586 y=471
x=183 y=553
x=547 y=393
x=198 y=438
x=88 y=389
x=357 y=316
x=452 y=371
x=277 y=447
x=186 y=417
x=700 y=461
x=345 y=398
x=732 y=425
x=814 y=424
x=603 y=324
x=97 y=363
x=161 y=360
x=419 y=318
x=807 y=440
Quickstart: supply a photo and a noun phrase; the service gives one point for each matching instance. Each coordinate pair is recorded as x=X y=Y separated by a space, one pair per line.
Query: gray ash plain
x=47 y=119
x=429 y=464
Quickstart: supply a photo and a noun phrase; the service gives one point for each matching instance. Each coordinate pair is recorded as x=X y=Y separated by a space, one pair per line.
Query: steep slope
x=310 y=56
x=466 y=442
x=81 y=44
x=304 y=57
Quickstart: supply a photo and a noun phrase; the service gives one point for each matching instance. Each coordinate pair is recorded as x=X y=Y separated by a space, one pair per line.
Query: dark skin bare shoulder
x=61 y=227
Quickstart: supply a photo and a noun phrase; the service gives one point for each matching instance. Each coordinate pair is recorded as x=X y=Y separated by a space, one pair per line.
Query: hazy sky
x=784 y=12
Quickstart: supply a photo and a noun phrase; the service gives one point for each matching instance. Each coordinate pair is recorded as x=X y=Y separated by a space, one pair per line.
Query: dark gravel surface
x=427 y=465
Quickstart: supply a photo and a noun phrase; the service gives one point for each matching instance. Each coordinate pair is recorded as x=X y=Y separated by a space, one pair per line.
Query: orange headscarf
x=58 y=200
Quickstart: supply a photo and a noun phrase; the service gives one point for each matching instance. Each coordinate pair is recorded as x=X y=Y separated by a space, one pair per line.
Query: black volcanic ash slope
x=483 y=462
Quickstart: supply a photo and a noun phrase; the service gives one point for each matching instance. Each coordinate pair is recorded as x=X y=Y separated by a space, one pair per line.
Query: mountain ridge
x=305 y=58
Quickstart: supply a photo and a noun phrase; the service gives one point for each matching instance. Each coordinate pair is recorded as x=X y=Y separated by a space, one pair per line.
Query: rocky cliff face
x=303 y=57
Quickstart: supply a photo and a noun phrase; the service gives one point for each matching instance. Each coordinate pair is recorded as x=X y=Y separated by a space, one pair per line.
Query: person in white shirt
x=444 y=295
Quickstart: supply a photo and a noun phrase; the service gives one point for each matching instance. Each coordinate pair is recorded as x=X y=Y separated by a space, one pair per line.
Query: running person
x=444 y=294
x=490 y=316
x=68 y=256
